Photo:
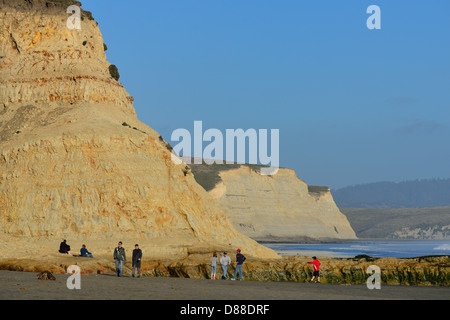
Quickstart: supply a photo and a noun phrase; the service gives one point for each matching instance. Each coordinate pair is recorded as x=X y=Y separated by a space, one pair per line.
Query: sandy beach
x=26 y=286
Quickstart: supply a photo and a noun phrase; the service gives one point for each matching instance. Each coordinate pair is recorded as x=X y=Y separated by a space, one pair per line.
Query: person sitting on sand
x=85 y=253
x=64 y=248
x=316 y=264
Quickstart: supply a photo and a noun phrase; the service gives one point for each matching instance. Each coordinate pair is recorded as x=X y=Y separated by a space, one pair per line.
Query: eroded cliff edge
x=278 y=207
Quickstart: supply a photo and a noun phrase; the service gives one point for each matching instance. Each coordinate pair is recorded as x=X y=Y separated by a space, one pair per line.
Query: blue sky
x=353 y=105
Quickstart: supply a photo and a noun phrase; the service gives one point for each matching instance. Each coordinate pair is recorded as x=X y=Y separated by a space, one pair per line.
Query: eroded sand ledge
x=194 y=264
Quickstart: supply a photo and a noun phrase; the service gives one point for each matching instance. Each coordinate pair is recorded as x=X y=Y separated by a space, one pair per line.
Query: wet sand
x=26 y=286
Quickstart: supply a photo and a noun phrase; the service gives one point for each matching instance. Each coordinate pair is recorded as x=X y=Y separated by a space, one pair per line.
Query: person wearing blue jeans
x=214 y=261
x=119 y=256
x=239 y=261
x=224 y=262
x=119 y=267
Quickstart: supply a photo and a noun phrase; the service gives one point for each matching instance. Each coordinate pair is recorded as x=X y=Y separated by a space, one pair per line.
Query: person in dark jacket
x=120 y=258
x=64 y=248
x=136 y=260
x=240 y=258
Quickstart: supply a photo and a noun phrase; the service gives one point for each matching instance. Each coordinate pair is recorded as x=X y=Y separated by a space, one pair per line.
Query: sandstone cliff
x=75 y=162
x=276 y=208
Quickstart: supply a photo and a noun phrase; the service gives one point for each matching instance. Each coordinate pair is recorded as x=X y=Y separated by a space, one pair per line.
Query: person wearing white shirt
x=225 y=261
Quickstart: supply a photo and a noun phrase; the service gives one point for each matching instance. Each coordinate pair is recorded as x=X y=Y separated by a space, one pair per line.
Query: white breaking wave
x=445 y=246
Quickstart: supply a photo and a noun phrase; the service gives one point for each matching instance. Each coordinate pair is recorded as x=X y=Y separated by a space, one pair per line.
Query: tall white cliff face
x=278 y=207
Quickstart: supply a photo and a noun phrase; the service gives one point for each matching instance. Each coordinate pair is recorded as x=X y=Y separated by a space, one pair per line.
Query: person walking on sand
x=214 y=261
x=119 y=256
x=240 y=258
x=136 y=260
x=224 y=262
x=316 y=264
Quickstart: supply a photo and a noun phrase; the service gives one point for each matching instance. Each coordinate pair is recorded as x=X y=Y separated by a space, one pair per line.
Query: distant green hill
x=407 y=194
x=400 y=223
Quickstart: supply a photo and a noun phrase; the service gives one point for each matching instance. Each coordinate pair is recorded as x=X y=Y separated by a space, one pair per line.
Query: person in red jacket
x=316 y=264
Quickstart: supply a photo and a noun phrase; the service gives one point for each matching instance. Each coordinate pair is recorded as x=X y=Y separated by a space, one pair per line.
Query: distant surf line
x=372 y=248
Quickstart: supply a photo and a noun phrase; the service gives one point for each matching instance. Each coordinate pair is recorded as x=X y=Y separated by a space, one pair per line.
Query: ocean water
x=373 y=248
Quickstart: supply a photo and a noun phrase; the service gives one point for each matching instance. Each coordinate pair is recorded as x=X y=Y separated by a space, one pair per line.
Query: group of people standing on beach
x=225 y=261
x=120 y=259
